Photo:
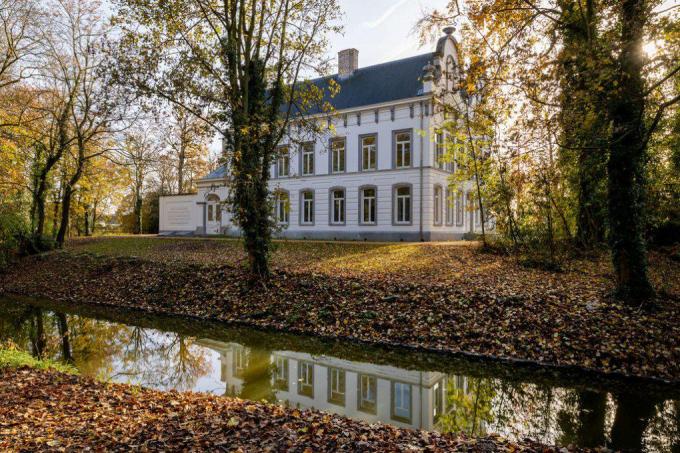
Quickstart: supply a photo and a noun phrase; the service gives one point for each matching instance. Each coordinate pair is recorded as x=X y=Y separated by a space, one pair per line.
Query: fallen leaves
x=434 y=296
x=60 y=412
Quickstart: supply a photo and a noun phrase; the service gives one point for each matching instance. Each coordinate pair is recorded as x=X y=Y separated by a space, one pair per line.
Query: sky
x=382 y=30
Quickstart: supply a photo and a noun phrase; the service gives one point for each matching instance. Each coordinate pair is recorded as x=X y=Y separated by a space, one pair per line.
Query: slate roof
x=376 y=84
x=217 y=173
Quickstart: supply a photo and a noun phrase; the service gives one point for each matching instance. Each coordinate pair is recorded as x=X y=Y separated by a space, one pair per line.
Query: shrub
x=12 y=228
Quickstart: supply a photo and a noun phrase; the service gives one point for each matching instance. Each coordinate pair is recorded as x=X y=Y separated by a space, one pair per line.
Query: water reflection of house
x=358 y=390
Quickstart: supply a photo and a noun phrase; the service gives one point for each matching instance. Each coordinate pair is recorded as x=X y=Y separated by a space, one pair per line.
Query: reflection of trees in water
x=257 y=376
x=161 y=360
x=468 y=405
x=633 y=413
x=582 y=419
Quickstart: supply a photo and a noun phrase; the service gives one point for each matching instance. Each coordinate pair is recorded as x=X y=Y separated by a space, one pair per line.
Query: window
x=240 y=361
x=437 y=205
x=306 y=379
x=449 y=206
x=338 y=156
x=402 y=205
x=307 y=208
x=369 y=157
x=368 y=390
x=283 y=163
x=438 y=393
x=401 y=402
x=281 y=207
x=402 y=149
x=337 y=206
x=281 y=373
x=308 y=159
x=368 y=206
x=460 y=207
x=336 y=386
x=439 y=151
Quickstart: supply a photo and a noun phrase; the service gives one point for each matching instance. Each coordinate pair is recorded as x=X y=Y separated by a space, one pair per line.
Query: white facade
x=362 y=391
x=375 y=177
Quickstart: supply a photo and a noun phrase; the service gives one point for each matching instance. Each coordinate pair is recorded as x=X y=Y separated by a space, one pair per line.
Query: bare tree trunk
x=66 y=352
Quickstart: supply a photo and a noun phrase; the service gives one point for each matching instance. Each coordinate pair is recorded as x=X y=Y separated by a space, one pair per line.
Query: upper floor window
x=308 y=159
x=283 y=163
x=369 y=153
x=368 y=205
x=336 y=386
x=281 y=207
x=307 y=202
x=438 y=404
x=402 y=149
x=368 y=392
x=439 y=150
x=240 y=361
x=402 y=205
x=401 y=401
x=338 y=156
x=306 y=379
x=437 y=205
x=337 y=206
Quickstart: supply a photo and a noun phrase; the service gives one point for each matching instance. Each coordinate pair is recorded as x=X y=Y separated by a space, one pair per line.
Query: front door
x=213 y=224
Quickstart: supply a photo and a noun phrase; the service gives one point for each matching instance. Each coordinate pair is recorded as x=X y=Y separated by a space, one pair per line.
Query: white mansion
x=379 y=175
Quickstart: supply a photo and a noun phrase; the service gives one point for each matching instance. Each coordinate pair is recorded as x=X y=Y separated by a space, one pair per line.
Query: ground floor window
x=402 y=205
x=449 y=206
x=401 y=402
x=281 y=207
x=306 y=379
x=460 y=209
x=336 y=386
x=307 y=203
x=337 y=206
x=368 y=390
x=368 y=206
x=281 y=373
x=437 y=205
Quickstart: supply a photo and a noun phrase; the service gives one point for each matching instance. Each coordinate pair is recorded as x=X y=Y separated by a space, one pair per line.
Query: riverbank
x=48 y=410
x=444 y=297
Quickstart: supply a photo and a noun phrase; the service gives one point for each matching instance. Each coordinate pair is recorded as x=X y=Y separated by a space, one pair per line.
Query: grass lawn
x=11 y=358
x=452 y=263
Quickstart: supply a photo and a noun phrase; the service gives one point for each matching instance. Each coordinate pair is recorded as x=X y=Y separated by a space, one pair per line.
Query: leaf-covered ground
x=49 y=411
x=447 y=296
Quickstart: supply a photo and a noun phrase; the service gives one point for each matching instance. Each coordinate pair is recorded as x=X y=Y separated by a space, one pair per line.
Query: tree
x=139 y=151
x=187 y=137
x=97 y=110
x=243 y=61
x=20 y=39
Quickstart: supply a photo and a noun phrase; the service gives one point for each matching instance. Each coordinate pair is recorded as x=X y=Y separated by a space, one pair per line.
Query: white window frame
x=307 y=207
x=373 y=202
x=282 y=207
x=338 y=157
x=439 y=151
x=437 y=205
x=370 y=151
x=364 y=402
x=283 y=163
x=460 y=209
x=450 y=209
x=398 y=200
x=337 y=386
x=306 y=379
x=401 y=393
x=342 y=201
x=403 y=148
x=308 y=159
x=281 y=373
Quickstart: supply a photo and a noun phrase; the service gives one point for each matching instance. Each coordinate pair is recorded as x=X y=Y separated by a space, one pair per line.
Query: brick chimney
x=348 y=62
